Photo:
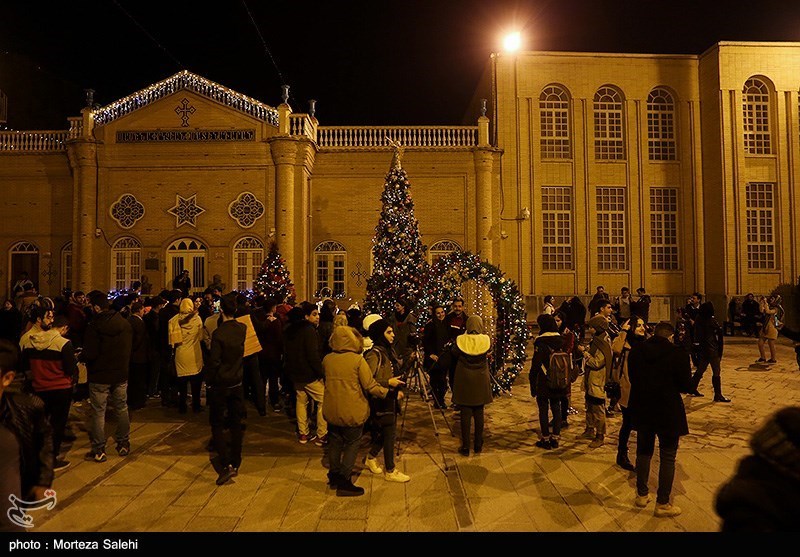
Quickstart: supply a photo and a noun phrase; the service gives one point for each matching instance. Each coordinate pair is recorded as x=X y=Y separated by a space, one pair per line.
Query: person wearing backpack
x=549 y=378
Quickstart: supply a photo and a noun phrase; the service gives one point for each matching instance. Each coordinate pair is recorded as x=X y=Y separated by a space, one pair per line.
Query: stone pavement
x=167 y=482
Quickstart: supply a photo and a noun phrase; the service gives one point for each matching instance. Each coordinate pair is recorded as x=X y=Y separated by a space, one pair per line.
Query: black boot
x=345 y=488
x=624 y=462
x=717 y=382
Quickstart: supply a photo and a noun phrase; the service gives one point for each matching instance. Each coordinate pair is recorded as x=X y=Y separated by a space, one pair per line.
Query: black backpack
x=559 y=367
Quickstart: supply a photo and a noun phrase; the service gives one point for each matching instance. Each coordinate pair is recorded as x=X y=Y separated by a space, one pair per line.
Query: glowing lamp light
x=512 y=42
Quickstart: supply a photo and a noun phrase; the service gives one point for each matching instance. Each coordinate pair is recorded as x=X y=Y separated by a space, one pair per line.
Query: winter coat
x=188 y=348
x=622 y=350
x=708 y=337
x=434 y=339
x=107 y=348
x=659 y=372
x=402 y=330
x=347 y=378
x=380 y=365
x=543 y=347
x=10 y=324
x=301 y=353
x=471 y=381
x=50 y=357
x=764 y=493
x=24 y=416
x=227 y=351
x=598 y=369
x=140 y=345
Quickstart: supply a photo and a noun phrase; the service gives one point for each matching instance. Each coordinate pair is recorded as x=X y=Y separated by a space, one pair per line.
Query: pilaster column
x=284 y=154
x=483 y=207
x=82 y=154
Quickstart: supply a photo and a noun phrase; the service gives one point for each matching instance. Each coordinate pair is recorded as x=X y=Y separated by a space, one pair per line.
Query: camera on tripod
x=413 y=340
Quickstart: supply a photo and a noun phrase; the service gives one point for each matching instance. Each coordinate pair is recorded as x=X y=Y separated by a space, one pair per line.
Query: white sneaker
x=664 y=511
x=374 y=467
x=643 y=500
x=397 y=476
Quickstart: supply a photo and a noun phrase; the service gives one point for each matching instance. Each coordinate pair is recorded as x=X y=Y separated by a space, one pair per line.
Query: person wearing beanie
x=764 y=493
x=367 y=321
x=384 y=366
x=348 y=379
x=632 y=332
x=549 y=341
x=185 y=333
x=598 y=362
x=472 y=390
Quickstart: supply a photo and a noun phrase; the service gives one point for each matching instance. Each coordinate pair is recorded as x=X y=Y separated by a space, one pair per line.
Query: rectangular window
x=611 y=250
x=664 y=229
x=760 y=226
x=322 y=272
x=555 y=129
x=661 y=135
x=608 y=139
x=556 y=228
x=338 y=275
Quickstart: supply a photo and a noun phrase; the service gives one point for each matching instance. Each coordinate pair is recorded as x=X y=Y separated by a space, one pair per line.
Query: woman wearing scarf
x=471 y=384
x=383 y=363
x=598 y=371
x=185 y=334
x=631 y=333
x=403 y=323
x=436 y=336
x=550 y=340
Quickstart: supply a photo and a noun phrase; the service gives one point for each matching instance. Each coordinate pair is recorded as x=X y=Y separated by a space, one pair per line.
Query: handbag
x=613 y=390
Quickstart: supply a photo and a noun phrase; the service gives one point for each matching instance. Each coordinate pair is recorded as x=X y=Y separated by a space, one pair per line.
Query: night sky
x=366 y=62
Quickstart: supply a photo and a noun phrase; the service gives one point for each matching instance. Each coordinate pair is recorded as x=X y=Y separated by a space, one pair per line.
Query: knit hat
x=474 y=325
x=376 y=330
x=547 y=323
x=369 y=320
x=598 y=323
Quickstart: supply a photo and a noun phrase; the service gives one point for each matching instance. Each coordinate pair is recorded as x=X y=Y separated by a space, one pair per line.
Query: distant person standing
x=600 y=295
x=185 y=336
x=140 y=358
x=457 y=319
x=183 y=283
x=659 y=372
x=642 y=305
x=708 y=338
x=549 y=308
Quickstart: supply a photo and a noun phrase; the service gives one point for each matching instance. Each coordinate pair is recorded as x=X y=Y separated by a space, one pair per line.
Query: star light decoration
x=186 y=210
x=126 y=210
x=443 y=283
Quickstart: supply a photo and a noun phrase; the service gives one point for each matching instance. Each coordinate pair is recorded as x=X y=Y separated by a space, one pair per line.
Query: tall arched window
x=126 y=262
x=661 y=125
x=66 y=266
x=24 y=258
x=441 y=249
x=190 y=254
x=554 y=120
x=609 y=138
x=755 y=108
x=248 y=255
x=330 y=263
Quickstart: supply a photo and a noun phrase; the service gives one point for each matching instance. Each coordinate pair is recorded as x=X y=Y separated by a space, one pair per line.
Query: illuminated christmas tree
x=398 y=253
x=273 y=278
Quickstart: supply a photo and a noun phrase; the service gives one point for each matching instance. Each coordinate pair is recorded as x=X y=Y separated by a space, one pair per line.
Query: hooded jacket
x=471 y=382
x=227 y=351
x=659 y=372
x=544 y=345
x=347 y=378
x=50 y=357
x=185 y=335
x=301 y=353
x=107 y=348
x=24 y=416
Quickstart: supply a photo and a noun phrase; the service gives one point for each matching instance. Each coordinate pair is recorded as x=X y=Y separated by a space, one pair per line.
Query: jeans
x=703 y=362
x=115 y=397
x=668 y=450
x=137 y=385
x=342 y=448
x=219 y=400
x=153 y=373
x=253 y=382
x=555 y=405
x=270 y=374
x=383 y=437
x=624 y=431
x=468 y=413
x=316 y=391
x=56 y=408
x=196 y=381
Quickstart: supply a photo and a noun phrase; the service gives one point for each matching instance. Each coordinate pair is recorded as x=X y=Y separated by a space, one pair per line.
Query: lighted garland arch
x=443 y=284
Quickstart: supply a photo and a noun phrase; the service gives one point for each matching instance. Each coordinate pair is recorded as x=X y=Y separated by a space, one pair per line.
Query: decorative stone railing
x=75 y=127
x=27 y=141
x=373 y=137
x=301 y=124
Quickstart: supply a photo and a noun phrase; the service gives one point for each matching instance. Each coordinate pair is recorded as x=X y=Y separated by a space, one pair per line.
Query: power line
x=263 y=42
x=149 y=36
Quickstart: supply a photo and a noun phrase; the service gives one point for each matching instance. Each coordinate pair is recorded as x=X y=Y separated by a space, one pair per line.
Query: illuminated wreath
x=443 y=284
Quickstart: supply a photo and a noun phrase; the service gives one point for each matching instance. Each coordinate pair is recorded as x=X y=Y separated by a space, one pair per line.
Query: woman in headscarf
x=436 y=336
x=550 y=340
x=383 y=363
x=708 y=337
x=598 y=362
x=471 y=387
x=632 y=332
x=403 y=323
x=185 y=336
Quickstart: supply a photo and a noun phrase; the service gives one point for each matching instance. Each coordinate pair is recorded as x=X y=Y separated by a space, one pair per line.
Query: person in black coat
x=708 y=340
x=549 y=340
x=750 y=314
x=140 y=358
x=659 y=372
x=10 y=322
x=183 y=283
x=434 y=340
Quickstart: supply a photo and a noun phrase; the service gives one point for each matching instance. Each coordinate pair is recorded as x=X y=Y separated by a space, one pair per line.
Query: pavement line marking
x=464 y=518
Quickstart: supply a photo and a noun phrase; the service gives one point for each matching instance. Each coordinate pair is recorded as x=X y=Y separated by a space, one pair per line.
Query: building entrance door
x=187 y=254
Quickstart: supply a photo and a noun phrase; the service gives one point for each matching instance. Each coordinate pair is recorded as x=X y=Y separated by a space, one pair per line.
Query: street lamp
x=512 y=41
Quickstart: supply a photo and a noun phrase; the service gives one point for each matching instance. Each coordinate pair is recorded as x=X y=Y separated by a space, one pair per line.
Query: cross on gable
x=184 y=110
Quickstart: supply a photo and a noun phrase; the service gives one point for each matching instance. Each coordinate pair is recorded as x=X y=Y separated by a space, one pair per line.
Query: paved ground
x=167 y=482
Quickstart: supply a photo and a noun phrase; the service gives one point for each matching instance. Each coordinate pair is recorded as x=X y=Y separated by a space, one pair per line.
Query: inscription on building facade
x=178 y=136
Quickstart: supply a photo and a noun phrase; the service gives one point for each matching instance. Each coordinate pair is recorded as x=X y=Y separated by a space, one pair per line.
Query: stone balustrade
x=27 y=141
x=372 y=137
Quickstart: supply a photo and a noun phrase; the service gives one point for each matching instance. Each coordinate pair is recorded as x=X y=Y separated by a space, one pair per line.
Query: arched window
x=609 y=138
x=189 y=254
x=66 y=266
x=441 y=249
x=755 y=108
x=330 y=263
x=661 y=125
x=248 y=255
x=554 y=120
x=24 y=259
x=126 y=262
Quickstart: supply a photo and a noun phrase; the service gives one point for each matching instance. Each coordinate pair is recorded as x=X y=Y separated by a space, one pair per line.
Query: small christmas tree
x=273 y=278
x=398 y=253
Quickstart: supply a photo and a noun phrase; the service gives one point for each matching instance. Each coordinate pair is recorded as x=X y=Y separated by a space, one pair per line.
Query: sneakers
x=373 y=466
x=95 y=457
x=696 y=393
x=598 y=442
x=397 y=476
x=346 y=488
x=720 y=398
x=124 y=449
x=306 y=438
x=463 y=451
x=667 y=510
x=643 y=500
x=543 y=443
x=761 y=360
x=225 y=475
x=553 y=443
x=772 y=361
x=321 y=441
x=59 y=465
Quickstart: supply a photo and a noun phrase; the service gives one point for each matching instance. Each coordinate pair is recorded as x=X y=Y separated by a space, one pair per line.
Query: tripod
x=416 y=380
